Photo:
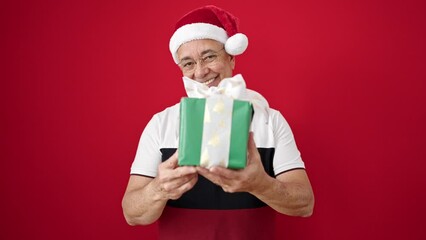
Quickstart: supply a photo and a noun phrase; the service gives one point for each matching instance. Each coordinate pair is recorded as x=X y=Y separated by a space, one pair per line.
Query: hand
x=172 y=180
x=248 y=179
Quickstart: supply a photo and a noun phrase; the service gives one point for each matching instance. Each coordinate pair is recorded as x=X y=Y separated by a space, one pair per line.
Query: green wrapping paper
x=214 y=132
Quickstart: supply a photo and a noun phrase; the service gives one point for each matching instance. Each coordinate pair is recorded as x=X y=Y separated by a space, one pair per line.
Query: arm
x=290 y=193
x=145 y=197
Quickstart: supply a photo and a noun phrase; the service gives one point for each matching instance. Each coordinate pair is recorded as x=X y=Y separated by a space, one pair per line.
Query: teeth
x=208 y=81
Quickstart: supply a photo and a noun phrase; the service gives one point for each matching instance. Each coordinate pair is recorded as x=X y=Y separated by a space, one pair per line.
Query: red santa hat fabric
x=209 y=22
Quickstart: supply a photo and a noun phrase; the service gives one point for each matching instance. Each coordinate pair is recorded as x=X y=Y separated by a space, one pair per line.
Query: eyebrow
x=202 y=54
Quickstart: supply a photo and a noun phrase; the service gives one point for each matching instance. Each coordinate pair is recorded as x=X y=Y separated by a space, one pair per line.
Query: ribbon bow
x=234 y=87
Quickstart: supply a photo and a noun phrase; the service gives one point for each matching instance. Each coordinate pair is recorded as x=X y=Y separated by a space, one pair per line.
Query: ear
x=232 y=61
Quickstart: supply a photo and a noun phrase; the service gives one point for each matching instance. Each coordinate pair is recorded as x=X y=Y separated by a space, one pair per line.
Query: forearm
x=294 y=199
x=143 y=206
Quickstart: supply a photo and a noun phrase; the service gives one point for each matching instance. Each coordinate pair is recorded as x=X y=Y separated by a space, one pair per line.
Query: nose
x=200 y=71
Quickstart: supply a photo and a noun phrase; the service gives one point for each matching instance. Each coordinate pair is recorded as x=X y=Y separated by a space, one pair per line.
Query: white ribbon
x=234 y=87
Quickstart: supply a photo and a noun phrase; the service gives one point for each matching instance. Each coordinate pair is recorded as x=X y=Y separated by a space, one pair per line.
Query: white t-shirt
x=271 y=133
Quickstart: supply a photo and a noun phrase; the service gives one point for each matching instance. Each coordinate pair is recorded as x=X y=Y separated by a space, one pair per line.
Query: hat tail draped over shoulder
x=209 y=22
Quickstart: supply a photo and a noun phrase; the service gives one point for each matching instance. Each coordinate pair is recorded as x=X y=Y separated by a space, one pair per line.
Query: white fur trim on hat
x=195 y=31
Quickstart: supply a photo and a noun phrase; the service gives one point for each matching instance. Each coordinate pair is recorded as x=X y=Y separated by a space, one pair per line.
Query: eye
x=188 y=64
x=209 y=58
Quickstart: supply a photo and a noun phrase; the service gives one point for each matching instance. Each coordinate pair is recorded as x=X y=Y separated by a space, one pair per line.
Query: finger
x=252 y=151
x=178 y=182
x=223 y=172
x=170 y=175
x=183 y=171
x=189 y=182
x=176 y=192
x=251 y=144
x=209 y=175
x=202 y=170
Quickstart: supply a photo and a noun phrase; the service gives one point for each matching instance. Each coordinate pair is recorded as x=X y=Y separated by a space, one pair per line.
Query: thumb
x=251 y=148
x=251 y=144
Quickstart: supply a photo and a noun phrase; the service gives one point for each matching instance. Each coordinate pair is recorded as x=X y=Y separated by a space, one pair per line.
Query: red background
x=80 y=79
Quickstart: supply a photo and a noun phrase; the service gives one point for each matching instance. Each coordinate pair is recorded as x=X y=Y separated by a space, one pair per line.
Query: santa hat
x=209 y=22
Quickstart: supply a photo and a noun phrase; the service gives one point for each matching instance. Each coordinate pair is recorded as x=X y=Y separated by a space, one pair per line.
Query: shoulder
x=169 y=112
x=275 y=116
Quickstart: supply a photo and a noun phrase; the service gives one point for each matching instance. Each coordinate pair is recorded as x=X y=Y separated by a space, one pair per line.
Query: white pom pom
x=236 y=44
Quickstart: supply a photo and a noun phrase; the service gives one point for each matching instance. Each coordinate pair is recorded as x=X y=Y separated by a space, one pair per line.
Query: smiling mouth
x=209 y=81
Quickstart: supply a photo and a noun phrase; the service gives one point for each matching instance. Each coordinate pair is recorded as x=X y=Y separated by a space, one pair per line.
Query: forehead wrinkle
x=207 y=51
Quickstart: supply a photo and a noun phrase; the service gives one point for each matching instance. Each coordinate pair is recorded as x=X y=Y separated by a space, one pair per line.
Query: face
x=205 y=61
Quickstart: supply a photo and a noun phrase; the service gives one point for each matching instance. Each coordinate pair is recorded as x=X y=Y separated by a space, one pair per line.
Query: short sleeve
x=286 y=156
x=148 y=155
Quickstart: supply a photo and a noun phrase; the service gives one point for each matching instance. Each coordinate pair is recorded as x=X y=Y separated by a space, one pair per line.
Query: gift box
x=214 y=132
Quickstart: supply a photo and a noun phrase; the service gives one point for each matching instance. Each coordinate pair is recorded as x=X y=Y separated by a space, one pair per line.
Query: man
x=216 y=203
